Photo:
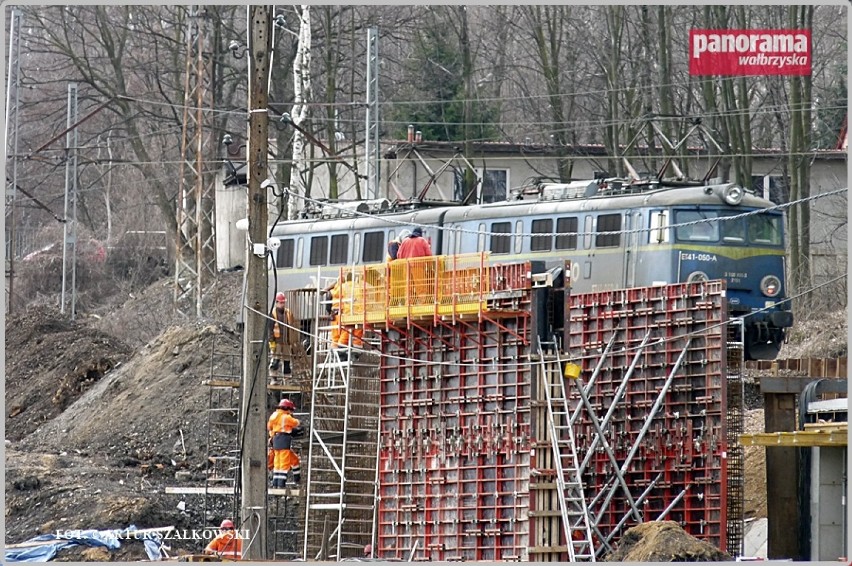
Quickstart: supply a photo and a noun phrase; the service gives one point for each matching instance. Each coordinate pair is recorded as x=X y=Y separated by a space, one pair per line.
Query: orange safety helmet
x=227 y=524
x=287 y=404
x=280 y=297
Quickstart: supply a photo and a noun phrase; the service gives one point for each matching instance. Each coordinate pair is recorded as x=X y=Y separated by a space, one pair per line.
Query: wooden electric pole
x=253 y=458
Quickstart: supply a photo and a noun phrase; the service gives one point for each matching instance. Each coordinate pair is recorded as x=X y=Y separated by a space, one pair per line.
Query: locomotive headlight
x=732 y=194
x=770 y=286
x=697 y=277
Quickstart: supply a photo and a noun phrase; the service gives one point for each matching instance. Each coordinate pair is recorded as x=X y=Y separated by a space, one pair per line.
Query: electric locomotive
x=617 y=234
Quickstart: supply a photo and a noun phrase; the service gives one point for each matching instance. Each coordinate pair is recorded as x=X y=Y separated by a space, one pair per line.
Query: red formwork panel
x=455 y=440
x=669 y=446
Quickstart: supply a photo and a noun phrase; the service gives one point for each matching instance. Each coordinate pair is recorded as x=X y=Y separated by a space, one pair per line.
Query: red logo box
x=740 y=52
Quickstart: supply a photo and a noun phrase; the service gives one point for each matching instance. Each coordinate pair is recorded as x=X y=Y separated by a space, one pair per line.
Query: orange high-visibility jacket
x=226 y=544
x=281 y=421
x=414 y=246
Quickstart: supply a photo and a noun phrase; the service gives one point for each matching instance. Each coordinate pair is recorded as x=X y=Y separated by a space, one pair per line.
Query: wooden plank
x=220 y=490
x=223 y=490
x=802 y=438
x=548 y=549
x=827 y=426
x=221 y=383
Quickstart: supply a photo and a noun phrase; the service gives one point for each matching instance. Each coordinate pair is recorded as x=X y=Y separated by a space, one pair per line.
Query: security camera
x=273 y=243
x=234 y=45
x=286 y=118
x=280 y=20
x=227 y=139
x=267 y=183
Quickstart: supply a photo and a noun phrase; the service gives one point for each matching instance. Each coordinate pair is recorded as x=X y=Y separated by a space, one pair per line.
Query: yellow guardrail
x=423 y=286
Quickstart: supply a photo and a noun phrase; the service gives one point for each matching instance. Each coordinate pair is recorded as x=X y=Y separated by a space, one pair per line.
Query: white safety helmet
x=404 y=234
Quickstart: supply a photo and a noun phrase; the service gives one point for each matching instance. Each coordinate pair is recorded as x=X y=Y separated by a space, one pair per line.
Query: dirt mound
x=822 y=336
x=152 y=409
x=96 y=429
x=50 y=363
x=663 y=541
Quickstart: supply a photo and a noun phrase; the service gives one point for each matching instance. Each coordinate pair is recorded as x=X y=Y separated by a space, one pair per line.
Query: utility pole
x=253 y=434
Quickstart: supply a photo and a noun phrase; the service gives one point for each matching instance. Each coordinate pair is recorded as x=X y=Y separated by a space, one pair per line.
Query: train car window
x=480 y=244
x=285 y=253
x=608 y=223
x=519 y=236
x=339 y=249
x=764 y=230
x=567 y=230
x=542 y=238
x=300 y=250
x=374 y=247
x=501 y=244
x=699 y=227
x=319 y=250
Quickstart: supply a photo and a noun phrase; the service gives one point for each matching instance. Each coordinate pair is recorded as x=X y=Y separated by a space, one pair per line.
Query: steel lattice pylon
x=195 y=258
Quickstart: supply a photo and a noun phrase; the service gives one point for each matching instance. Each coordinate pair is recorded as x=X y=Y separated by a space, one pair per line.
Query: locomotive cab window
x=285 y=253
x=764 y=229
x=699 y=226
x=501 y=244
x=542 y=237
x=319 y=250
x=608 y=223
x=339 y=249
x=374 y=247
x=733 y=231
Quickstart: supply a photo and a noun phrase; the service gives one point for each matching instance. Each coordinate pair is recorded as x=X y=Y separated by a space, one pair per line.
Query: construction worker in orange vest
x=393 y=245
x=280 y=427
x=421 y=280
x=226 y=544
x=342 y=298
x=283 y=335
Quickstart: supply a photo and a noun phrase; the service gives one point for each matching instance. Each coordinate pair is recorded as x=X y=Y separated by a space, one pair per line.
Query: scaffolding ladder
x=343 y=447
x=569 y=485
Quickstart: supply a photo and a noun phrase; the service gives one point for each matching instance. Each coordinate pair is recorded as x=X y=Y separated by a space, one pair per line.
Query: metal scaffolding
x=340 y=502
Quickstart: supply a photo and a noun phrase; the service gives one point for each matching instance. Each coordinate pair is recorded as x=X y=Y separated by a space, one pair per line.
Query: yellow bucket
x=572 y=371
